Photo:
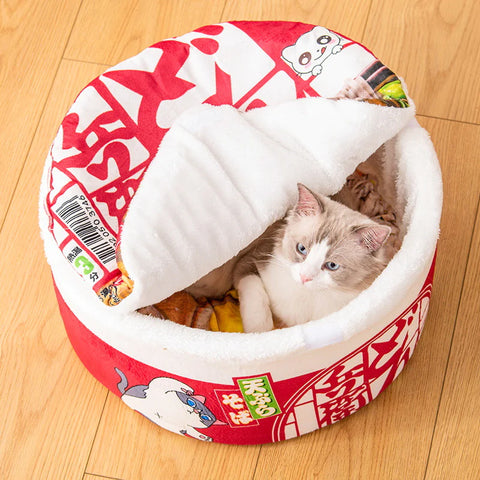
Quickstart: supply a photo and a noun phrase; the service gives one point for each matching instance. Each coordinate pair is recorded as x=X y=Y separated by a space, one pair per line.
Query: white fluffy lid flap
x=221 y=177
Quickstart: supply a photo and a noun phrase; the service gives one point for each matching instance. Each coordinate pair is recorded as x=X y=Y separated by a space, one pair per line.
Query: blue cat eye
x=301 y=249
x=190 y=402
x=205 y=417
x=331 y=266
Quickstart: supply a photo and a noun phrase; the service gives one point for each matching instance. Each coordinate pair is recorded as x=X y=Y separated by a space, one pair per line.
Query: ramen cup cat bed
x=186 y=153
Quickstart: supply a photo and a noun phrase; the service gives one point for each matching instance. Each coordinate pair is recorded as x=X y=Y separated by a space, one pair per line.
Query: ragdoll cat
x=305 y=266
x=170 y=404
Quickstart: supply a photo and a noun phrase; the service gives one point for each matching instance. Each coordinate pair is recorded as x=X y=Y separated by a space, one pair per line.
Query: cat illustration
x=170 y=404
x=309 y=264
x=311 y=50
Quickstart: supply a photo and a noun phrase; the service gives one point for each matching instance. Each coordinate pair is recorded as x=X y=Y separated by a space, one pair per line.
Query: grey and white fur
x=305 y=266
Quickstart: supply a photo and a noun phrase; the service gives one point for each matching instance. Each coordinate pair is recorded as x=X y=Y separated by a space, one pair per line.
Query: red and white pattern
x=351 y=383
x=306 y=402
x=114 y=128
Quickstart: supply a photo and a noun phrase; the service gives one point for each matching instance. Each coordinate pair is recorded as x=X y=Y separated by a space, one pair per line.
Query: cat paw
x=254 y=305
x=257 y=320
x=317 y=70
x=336 y=49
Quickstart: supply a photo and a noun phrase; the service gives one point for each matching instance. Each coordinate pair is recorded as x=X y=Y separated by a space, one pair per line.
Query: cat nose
x=305 y=278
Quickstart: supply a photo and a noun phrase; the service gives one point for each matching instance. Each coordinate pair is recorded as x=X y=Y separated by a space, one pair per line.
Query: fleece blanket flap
x=222 y=176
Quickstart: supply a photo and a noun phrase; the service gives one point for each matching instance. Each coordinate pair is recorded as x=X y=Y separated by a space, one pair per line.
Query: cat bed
x=182 y=155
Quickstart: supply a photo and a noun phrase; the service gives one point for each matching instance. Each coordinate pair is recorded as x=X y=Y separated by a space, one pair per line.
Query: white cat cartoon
x=311 y=50
x=170 y=404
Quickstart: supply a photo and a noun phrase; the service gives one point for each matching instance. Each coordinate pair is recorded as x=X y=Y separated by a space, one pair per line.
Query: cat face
x=311 y=50
x=194 y=405
x=326 y=244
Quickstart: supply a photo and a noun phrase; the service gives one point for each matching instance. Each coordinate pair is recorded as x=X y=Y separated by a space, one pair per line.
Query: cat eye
x=205 y=417
x=304 y=58
x=301 y=249
x=331 y=266
x=323 y=40
x=190 y=402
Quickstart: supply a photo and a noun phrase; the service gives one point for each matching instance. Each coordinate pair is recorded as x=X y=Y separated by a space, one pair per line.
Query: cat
x=170 y=404
x=309 y=264
x=310 y=51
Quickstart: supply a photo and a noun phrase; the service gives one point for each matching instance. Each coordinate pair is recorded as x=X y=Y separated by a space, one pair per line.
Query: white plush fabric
x=187 y=351
x=221 y=177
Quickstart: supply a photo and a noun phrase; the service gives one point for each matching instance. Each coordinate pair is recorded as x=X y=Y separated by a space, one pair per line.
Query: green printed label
x=258 y=395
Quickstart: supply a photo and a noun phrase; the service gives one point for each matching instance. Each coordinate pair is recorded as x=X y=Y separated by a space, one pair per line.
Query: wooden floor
x=58 y=422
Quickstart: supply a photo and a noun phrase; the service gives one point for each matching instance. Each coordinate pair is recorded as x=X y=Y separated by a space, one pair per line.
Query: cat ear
x=373 y=236
x=288 y=53
x=307 y=203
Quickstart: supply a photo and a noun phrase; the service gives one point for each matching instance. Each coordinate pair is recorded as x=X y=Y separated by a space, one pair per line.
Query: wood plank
x=50 y=404
x=87 y=476
x=457 y=430
x=343 y=16
x=430 y=43
x=134 y=26
x=130 y=446
x=390 y=438
x=30 y=50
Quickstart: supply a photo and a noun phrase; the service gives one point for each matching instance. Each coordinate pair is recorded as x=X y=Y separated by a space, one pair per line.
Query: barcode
x=78 y=221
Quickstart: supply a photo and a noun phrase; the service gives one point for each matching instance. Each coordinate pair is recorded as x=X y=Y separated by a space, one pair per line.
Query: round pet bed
x=186 y=153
